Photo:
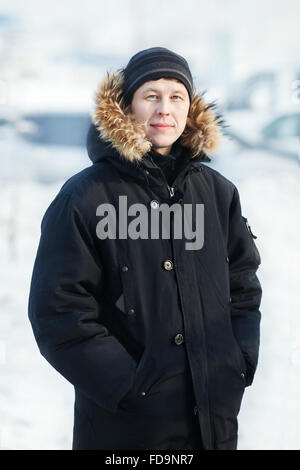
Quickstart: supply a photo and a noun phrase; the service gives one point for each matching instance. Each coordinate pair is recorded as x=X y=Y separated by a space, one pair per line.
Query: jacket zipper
x=171 y=191
x=170 y=188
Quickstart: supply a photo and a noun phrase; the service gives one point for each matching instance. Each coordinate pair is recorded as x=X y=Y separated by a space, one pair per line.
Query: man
x=158 y=334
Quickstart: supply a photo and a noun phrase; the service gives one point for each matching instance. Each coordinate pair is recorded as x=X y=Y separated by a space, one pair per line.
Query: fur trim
x=119 y=127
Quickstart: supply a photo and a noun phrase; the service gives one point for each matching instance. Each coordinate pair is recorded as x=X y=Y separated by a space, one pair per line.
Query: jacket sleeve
x=64 y=313
x=245 y=288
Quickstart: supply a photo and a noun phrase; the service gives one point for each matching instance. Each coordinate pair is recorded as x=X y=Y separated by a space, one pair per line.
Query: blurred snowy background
x=246 y=55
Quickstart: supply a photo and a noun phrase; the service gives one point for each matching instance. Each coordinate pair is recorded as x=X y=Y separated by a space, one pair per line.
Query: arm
x=245 y=288
x=64 y=313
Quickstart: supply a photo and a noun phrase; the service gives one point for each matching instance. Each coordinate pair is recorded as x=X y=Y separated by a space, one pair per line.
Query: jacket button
x=242 y=375
x=124 y=268
x=168 y=265
x=131 y=311
x=227 y=259
x=143 y=394
x=195 y=410
x=154 y=204
x=178 y=339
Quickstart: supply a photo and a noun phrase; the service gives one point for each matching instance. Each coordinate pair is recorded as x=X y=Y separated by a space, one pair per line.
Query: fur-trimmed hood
x=117 y=126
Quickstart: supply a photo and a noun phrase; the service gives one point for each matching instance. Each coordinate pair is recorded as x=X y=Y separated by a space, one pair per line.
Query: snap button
x=242 y=375
x=168 y=265
x=178 y=339
x=143 y=394
x=124 y=268
x=195 y=410
x=131 y=311
x=154 y=204
x=227 y=259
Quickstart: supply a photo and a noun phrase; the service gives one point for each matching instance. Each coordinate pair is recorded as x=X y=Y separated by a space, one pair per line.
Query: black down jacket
x=158 y=341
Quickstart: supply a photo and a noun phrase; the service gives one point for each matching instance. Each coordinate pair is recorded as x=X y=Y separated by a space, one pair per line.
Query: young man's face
x=161 y=102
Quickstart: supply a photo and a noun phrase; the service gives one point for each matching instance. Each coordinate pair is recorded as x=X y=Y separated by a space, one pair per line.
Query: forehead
x=168 y=84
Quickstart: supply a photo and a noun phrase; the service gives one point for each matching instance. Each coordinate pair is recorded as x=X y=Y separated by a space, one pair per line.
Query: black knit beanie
x=152 y=64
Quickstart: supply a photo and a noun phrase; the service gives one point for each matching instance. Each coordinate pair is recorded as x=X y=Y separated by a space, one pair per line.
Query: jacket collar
x=100 y=150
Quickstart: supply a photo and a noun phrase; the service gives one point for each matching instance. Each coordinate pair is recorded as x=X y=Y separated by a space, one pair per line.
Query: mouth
x=161 y=126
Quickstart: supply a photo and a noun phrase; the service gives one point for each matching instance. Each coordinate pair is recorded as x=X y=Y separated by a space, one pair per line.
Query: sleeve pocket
x=252 y=237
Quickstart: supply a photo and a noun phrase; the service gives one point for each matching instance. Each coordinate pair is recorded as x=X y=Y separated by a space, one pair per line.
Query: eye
x=150 y=96
x=177 y=96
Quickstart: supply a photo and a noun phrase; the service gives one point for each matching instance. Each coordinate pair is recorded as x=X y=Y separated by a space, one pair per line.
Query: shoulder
x=80 y=192
x=215 y=181
x=215 y=176
x=86 y=180
x=88 y=186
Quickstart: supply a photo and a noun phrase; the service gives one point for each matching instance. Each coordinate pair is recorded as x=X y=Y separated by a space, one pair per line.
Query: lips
x=161 y=125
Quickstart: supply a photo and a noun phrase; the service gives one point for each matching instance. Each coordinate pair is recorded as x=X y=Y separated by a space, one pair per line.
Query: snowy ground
x=269 y=188
x=36 y=403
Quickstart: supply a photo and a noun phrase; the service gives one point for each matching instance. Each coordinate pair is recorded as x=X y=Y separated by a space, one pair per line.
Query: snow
x=270 y=195
x=36 y=402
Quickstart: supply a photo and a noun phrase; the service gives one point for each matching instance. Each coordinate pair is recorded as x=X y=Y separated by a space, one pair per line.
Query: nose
x=163 y=107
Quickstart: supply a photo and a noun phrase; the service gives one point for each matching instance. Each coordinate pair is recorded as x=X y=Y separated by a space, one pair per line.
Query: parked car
x=282 y=134
x=278 y=133
x=46 y=146
x=271 y=88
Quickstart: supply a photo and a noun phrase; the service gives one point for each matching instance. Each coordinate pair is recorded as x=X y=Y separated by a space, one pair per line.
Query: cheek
x=141 y=113
x=182 y=118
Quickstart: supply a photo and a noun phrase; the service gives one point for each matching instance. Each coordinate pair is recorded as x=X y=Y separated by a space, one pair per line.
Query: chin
x=162 y=143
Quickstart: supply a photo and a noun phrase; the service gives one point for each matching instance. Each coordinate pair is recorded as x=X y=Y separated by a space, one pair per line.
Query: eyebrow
x=156 y=91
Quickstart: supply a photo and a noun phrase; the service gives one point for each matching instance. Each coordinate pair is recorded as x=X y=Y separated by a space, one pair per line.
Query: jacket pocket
x=239 y=359
x=125 y=302
x=252 y=237
x=241 y=362
x=134 y=393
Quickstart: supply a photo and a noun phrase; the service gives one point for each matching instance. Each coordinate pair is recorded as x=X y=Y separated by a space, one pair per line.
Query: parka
x=159 y=341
